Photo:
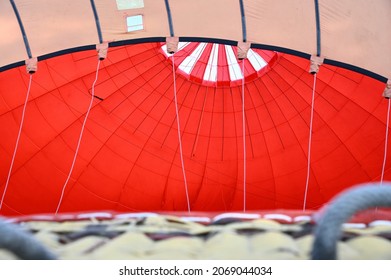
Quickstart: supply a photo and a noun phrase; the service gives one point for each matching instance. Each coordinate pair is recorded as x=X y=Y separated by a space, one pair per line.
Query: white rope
x=17 y=141
x=179 y=136
x=309 y=145
x=80 y=138
x=385 y=144
x=244 y=142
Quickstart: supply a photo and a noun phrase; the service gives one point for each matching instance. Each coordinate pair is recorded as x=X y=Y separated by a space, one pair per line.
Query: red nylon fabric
x=129 y=157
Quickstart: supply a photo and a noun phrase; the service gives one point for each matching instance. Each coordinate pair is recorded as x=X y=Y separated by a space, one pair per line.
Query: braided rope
x=361 y=197
x=13 y=238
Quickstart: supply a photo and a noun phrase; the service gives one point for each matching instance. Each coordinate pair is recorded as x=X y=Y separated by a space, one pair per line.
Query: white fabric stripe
x=181 y=45
x=188 y=64
x=233 y=66
x=256 y=60
x=211 y=68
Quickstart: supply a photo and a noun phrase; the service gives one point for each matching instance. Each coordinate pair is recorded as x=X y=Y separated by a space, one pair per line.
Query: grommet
x=102 y=50
x=172 y=44
x=316 y=61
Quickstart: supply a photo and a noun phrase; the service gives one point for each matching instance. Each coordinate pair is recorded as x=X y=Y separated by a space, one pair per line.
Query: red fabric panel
x=129 y=158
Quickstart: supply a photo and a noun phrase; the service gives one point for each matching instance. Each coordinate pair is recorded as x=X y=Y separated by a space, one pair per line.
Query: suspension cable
x=80 y=138
x=17 y=140
x=244 y=142
x=385 y=144
x=309 y=145
x=179 y=135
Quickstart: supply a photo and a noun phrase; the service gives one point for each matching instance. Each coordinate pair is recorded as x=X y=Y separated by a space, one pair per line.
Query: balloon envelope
x=129 y=158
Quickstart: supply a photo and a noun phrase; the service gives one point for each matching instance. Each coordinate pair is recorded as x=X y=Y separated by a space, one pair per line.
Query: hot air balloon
x=120 y=106
x=175 y=105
